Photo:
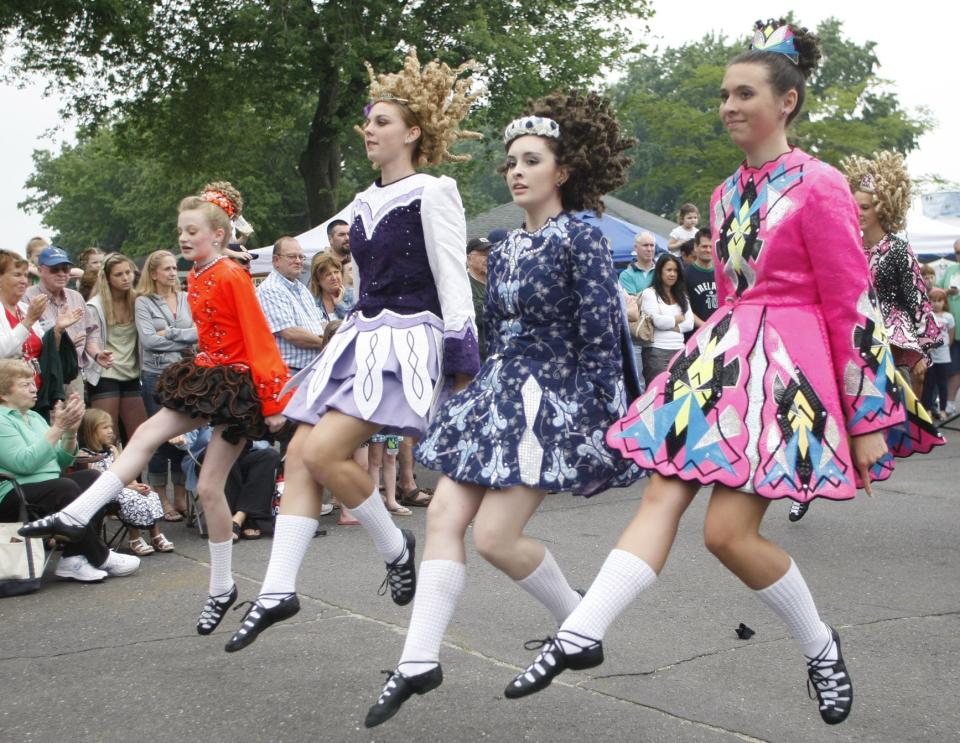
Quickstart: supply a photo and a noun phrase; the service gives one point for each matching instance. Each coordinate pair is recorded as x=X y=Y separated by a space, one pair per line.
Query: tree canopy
x=180 y=85
x=669 y=101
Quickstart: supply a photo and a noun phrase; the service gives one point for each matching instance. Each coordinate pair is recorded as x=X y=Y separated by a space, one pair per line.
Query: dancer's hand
x=275 y=422
x=867 y=450
x=460 y=381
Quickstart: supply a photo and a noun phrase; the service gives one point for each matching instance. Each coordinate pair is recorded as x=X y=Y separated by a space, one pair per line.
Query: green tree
x=669 y=101
x=176 y=72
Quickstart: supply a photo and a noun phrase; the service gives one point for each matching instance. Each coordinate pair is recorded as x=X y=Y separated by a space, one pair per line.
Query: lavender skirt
x=385 y=369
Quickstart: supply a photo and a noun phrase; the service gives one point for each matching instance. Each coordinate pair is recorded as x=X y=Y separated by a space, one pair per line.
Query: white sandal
x=162 y=544
x=139 y=547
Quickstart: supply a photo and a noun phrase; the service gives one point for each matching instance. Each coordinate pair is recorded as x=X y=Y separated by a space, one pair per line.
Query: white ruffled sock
x=790 y=599
x=104 y=489
x=221 y=568
x=620 y=580
x=387 y=537
x=548 y=585
x=292 y=536
x=439 y=588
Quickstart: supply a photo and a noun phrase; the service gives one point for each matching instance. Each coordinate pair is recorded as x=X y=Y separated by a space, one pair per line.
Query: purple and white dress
x=413 y=323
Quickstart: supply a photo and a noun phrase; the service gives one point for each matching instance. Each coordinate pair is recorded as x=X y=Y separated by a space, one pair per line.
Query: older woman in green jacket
x=35 y=453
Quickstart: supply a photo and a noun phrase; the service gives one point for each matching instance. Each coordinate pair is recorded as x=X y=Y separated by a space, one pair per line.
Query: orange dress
x=237 y=376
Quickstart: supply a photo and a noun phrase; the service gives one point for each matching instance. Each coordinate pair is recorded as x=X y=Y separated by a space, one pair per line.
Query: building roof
x=510 y=216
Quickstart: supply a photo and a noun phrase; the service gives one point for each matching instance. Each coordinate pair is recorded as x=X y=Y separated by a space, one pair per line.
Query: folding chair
x=195 y=516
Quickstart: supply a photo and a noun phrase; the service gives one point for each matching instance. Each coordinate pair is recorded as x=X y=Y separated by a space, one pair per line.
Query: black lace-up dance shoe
x=213 y=610
x=398 y=689
x=259 y=617
x=798 y=510
x=402 y=574
x=832 y=683
x=56 y=525
x=552 y=661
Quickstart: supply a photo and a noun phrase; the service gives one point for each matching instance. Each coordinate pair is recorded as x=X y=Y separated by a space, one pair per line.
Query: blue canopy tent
x=620 y=233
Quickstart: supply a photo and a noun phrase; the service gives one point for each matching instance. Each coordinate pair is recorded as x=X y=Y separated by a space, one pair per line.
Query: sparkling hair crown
x=539 y=126
x=771 y=36
x=868 y=183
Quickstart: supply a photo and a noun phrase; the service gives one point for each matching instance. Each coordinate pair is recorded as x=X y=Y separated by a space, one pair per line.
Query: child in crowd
x=929 y=275
x=935 y=382
x=382 y=455
x=139 y=505
x=688 y=218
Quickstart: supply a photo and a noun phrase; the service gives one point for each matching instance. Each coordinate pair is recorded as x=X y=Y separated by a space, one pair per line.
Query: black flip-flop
x=411 y=499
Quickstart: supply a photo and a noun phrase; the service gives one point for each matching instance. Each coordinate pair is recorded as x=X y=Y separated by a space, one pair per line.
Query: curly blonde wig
x=438 y=99
x=885 y=178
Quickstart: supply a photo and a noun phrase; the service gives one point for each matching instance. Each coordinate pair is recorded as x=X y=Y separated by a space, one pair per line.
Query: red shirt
x=231 y=329
x=31 y=347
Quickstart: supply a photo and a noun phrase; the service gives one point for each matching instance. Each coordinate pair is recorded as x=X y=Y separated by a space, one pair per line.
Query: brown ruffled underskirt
x=223 y=395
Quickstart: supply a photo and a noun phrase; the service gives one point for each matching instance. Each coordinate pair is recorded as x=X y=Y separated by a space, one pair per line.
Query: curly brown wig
x=591 y=146
x=885 y=178
x=438 y=99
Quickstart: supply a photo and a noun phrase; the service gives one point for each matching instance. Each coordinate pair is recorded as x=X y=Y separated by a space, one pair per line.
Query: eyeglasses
x=295 y=257
x=60 y=268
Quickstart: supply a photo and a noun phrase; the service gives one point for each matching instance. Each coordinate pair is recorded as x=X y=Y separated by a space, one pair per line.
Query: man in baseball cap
x=53 y=256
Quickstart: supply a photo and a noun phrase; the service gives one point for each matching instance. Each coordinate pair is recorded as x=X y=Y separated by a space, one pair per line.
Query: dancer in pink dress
x=783 y=393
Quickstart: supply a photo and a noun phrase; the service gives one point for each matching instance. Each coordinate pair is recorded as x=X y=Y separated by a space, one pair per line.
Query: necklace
x=199 y=269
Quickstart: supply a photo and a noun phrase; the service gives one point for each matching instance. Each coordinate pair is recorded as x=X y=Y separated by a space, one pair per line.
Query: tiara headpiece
x=769 y=36
x=539 y=126
x=868 y=183
x=222 y=200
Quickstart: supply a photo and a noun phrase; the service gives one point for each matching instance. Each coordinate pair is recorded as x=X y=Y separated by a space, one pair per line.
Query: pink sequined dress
x=764 y=396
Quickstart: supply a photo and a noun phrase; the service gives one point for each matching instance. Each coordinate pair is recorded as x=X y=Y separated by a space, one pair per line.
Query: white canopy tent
x=930 y=237
x=312 y=241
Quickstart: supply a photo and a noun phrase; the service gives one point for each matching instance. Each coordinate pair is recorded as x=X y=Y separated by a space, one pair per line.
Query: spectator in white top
x=689 y=218
x=667 y=304
x=289 y=308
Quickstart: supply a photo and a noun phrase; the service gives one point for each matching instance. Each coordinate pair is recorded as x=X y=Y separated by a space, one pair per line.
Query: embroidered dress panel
x=764 y=396
x=553 y=379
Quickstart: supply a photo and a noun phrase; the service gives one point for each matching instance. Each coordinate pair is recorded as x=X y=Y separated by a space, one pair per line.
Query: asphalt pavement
x=121 y=661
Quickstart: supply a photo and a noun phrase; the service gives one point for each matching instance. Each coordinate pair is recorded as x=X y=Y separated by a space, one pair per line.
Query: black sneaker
x=398 y=689
x=213 y=610
x=259 y=617
x=799 y=510
x=402 y=574
x=551 y=662
x=832 y=683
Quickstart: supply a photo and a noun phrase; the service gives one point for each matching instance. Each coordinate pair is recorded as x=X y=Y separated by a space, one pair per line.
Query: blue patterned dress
x=537 y=411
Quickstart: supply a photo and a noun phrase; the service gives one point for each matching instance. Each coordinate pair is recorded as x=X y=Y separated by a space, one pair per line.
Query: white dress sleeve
x=445 y=237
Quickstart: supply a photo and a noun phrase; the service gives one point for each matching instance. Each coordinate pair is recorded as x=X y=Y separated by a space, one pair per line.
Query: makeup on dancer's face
x=195 y=235
x=748 y=107
x=867 y=210
x=384 y=132
x=531 y=170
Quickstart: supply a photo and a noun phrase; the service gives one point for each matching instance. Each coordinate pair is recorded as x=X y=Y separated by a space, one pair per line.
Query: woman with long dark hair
x=667 y=304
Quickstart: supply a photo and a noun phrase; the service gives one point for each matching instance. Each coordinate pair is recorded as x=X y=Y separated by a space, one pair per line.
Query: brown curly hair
x=591 y=146
x=891 y=186
x=435 y=98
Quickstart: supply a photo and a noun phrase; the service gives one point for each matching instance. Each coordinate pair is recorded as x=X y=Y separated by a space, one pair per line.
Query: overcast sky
x=916 y=44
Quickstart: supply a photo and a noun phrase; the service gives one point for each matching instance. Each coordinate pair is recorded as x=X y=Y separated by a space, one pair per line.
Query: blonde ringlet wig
x=887 y=175
x=437 y=97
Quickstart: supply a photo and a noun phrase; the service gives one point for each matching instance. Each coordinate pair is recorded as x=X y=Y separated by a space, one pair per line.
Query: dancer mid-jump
x=784 y=394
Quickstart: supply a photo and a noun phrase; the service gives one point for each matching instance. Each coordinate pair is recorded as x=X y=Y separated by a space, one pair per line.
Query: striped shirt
x=289 y=304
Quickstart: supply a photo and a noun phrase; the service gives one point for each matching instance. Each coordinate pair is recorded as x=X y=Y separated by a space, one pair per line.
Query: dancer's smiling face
x=532 y=172
x=390 y=133
x=750 y=108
